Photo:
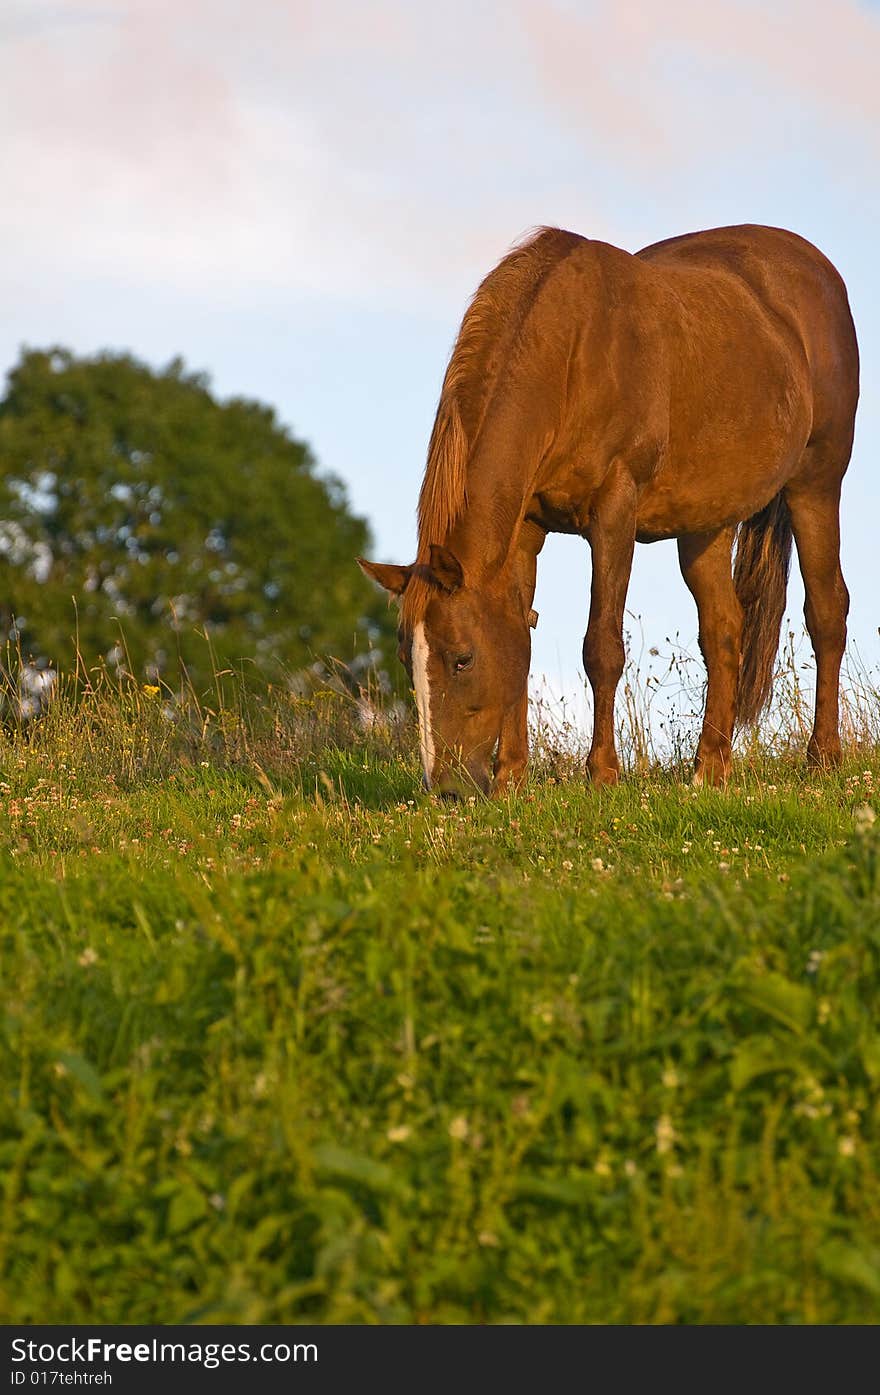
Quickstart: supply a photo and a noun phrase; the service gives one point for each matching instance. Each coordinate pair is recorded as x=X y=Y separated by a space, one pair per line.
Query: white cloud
x=344 y=150
x=624 y=70
x=381 y=151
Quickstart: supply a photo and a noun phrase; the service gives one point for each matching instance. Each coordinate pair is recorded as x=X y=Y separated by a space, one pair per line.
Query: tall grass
x=282 y=1039
x=118 y=724
x=660 y=706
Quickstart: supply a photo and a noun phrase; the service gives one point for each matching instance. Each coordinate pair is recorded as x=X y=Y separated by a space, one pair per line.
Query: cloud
x=382 y=151
x=827 y=56
x=624 y=71
x=344 y=150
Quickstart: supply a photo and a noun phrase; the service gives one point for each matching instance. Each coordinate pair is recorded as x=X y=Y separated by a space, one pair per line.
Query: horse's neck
x=500 y=480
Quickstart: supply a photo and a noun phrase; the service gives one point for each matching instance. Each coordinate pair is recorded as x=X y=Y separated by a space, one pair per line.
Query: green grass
x=285 y=1041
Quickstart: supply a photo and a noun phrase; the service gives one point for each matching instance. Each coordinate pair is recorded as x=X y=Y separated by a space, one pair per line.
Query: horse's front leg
x=513 y=742
x=513 y=747
x=612 y=536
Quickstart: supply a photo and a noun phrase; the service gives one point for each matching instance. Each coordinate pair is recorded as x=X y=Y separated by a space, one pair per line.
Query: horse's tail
x=760 y=576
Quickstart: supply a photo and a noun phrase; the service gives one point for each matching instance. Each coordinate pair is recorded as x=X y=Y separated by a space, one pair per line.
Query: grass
x=285 y=1041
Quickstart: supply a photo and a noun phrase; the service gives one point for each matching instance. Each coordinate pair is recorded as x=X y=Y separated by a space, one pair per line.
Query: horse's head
x=466 y=650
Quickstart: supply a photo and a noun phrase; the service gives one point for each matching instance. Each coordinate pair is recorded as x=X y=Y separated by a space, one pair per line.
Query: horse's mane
x=488 y=330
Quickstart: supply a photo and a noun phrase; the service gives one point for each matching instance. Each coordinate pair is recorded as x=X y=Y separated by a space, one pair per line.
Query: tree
x=164 y=514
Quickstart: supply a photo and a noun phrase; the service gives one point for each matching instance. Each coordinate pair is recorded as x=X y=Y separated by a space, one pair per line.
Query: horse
x=703 y=389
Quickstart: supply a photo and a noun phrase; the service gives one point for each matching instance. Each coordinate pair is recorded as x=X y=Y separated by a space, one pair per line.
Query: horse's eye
x=462 y=662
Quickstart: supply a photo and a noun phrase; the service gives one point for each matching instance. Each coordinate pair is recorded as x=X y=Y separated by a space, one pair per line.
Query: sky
x=300 y=198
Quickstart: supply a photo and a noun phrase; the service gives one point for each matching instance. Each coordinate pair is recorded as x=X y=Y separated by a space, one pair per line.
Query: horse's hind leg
x=815 y=520
x=705 y=561
x=612 y=537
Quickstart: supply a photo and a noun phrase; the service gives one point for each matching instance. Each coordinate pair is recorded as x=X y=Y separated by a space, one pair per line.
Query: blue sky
x=300 y=198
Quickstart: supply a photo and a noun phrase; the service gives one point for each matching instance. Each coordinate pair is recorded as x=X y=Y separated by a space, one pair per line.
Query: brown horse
x=704 y=389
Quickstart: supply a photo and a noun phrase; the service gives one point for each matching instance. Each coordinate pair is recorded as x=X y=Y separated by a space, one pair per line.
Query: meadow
x=286 y=1040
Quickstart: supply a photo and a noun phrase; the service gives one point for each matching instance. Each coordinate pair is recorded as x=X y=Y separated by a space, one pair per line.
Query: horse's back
x=793 y=282
x=759 y=255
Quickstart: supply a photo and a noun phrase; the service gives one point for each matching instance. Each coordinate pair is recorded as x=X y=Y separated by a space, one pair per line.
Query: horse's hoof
x=823 y=757
x=711 y=770
x=508 y=781
x=604 y=775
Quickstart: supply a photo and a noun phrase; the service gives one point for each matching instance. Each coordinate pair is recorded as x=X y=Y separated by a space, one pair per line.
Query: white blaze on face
x=422 y=685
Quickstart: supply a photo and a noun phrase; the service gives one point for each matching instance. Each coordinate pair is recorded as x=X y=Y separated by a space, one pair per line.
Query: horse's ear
x=388 y=574
x=445 y=568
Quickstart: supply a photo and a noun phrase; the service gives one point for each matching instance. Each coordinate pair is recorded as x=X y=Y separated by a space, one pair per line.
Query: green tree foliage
x=134 y=504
